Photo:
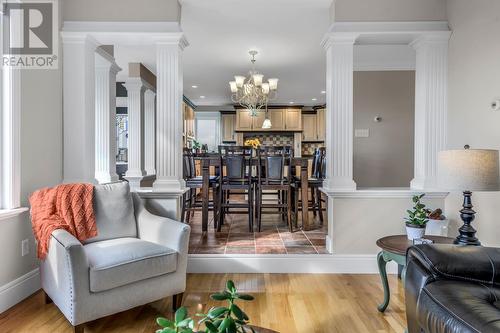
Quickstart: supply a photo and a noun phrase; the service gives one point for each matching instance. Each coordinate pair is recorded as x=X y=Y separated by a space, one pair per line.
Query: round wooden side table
x=394 y=249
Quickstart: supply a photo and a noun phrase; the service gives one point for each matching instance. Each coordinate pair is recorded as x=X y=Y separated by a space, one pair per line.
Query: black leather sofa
x=451 y=289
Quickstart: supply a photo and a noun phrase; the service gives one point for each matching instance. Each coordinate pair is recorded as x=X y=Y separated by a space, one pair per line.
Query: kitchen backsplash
x=271 y=139
x=308 y=148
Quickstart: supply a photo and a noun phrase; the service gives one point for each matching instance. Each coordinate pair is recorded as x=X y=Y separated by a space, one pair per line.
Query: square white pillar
x=149 y=132
x=169 y=115
x=431 y=86
x=105 y=117
x=339 y=111
x=135 y=109
x=79 y=107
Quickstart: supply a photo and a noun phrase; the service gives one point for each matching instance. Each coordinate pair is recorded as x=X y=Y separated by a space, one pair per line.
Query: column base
x=169 y=185
x=339 y=184
x=103 y=178
x=423 y=184
x=167 y=204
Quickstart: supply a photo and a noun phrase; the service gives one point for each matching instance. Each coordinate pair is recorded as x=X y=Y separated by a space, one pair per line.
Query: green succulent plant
x=220 y=319
x=418 y=215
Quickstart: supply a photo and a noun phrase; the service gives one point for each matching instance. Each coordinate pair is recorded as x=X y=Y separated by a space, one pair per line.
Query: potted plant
x=196 y=145
x=417 y=218
x=220 y=319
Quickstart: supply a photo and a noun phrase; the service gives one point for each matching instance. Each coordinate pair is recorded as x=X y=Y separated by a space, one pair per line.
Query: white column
x=149 y=132
x=339 y=111
x=169 y=115
x=79 y=107
x=135 y=109
x=431 y=87
x=105 y=117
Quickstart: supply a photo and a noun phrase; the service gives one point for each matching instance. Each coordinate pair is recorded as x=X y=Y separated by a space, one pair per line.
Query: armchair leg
x=46 y=298
x=78 y=328
x=177 y=301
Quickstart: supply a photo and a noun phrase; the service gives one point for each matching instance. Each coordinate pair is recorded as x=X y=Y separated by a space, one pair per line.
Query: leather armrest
x=466 y=263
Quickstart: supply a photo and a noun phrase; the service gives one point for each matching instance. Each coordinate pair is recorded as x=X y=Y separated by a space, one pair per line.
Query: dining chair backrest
x=320 y=170
x=188 y=167
x=272 y=162
x=235 y=162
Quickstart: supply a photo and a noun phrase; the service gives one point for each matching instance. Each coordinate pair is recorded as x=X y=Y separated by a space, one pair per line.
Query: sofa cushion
x=114 y=212
x=117 y=262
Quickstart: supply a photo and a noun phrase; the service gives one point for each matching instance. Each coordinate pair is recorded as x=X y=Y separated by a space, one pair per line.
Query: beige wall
x=41 y=162
x=474 y=81
x=122 y=10
x=390 y=10
x=385 y=158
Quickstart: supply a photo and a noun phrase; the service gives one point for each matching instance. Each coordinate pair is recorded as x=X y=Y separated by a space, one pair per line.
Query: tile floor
x=275 y=238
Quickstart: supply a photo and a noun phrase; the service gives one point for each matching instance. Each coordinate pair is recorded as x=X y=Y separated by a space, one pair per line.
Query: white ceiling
x=287 y=34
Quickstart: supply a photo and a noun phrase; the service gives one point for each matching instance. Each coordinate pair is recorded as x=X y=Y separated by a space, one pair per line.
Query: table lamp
x=468 y=170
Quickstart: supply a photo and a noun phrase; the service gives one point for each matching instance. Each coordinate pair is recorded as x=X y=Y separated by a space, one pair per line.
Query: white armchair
x=136 y=258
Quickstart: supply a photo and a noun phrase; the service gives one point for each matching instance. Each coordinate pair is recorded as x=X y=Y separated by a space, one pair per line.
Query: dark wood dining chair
x=272 y=176
x=190 y=203
x=236 y=176
x=315 y=182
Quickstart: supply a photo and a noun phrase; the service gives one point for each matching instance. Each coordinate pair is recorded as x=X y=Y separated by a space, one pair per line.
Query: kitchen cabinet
x=244 y=120
x=309 y=124
x=321 y=124
x=277 y=119
x=293 y=120
x=228 y=127
x=258 y=120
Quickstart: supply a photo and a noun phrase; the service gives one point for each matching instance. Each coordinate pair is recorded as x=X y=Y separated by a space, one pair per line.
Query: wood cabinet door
x=228 y=121
x=258 y=120
x=309 y=123
x=277 y=119
x=321 y=124
x=293 y=120
x=243 y=120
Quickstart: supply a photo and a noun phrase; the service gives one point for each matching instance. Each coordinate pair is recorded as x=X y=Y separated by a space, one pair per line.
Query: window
x=207 y=129
x=10 y=113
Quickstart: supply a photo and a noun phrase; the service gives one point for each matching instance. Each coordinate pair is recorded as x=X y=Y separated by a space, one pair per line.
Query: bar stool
x=190 y=204
x=271 y=175
x=315 y=182
x=236 y=175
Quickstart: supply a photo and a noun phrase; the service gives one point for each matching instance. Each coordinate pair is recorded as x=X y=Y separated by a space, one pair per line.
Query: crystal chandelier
x=252 y=93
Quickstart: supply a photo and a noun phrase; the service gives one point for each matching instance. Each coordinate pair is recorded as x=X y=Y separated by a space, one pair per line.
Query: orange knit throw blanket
x=68 y=207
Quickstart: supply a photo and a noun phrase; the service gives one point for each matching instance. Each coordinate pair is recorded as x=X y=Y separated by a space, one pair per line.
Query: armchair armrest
x=161 y=230
x=467 y=263
x=64 y=272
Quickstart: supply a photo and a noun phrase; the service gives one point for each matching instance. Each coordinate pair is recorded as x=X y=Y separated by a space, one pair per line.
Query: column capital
x=339 y=38
x=135 y=84
x=434 y=38
x=104 y=60
x=172 y=39
x=150 y=93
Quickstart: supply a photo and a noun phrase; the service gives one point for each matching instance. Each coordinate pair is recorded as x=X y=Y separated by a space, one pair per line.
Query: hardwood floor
x=288 y=303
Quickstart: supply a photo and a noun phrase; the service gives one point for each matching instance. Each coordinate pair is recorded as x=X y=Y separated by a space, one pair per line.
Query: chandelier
x=251 y=92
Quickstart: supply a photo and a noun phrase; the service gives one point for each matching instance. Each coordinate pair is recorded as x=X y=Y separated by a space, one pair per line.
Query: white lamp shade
x=267 y=123
x=265 y=88
x=239 y=80
x=273 y=83
x=468 y=170
x=257 y=79
x=233 y=86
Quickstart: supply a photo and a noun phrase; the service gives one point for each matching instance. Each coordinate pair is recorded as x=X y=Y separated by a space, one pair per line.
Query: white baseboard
x=18 y=289
x=316 y=263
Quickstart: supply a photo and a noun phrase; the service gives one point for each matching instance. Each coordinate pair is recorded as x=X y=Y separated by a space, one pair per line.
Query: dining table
x=208 y=160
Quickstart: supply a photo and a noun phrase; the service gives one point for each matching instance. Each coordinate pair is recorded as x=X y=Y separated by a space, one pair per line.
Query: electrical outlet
x=25 y=247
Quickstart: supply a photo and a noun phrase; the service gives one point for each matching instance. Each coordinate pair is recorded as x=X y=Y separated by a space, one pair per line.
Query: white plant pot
x=414 y=233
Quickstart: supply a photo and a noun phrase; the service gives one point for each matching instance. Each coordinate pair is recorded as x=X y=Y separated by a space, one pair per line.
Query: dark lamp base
x=467 y=232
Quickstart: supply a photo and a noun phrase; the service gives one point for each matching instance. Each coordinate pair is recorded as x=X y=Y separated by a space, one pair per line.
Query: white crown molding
x=275 y=263
x=126 y=33
x=389 y=27
x=18 y=289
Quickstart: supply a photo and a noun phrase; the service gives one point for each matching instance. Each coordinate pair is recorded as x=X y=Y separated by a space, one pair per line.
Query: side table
x=394 y=249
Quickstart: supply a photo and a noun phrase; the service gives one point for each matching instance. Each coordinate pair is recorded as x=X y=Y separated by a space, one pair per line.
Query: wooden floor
x=287 y=303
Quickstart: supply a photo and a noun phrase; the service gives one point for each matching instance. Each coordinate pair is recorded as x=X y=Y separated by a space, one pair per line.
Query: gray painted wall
x=385 y=158
x=122 y=10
